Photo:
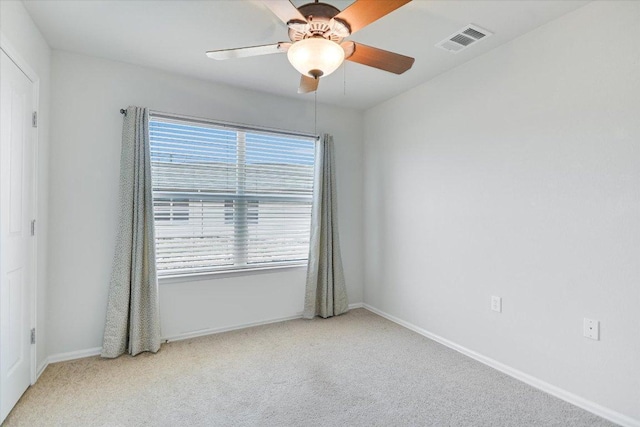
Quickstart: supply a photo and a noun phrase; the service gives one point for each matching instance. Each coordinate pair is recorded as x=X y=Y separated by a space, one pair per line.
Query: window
x=171 y=210
x=228 y=199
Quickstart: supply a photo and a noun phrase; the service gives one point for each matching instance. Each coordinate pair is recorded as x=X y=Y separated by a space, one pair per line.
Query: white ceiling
x=174 y=35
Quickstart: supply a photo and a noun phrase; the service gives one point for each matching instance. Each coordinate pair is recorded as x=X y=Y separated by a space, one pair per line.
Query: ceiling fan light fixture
x=315 y=56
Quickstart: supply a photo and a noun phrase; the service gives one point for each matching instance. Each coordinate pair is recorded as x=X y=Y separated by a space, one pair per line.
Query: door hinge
x=34 y=119
x=33 y=335
x=33 y=227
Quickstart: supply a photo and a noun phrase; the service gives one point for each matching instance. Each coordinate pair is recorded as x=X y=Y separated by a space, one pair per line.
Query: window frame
x=237 y=269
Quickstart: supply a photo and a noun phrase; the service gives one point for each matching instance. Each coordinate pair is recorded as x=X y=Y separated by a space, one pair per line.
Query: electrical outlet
x=591 y=329
x=496 y=304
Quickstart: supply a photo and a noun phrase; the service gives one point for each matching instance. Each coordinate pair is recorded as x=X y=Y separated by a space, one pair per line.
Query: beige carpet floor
x=353 y=370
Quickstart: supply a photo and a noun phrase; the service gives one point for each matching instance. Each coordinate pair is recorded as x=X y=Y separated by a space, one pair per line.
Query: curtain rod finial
x=123 y=111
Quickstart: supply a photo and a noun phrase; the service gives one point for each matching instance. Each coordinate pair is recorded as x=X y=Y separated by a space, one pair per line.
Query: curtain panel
x=133 y=321
x=326 y=293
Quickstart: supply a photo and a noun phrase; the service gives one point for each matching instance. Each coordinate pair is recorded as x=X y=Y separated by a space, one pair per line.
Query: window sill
x=168 y=280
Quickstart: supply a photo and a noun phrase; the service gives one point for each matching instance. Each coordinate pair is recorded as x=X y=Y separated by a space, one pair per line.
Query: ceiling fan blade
x=364 y=12
x=285 y=10
x=377 y=58
x=243 y=52
x=308 y=84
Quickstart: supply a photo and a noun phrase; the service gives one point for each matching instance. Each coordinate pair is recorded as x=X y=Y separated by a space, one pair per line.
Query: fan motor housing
x=319 y=23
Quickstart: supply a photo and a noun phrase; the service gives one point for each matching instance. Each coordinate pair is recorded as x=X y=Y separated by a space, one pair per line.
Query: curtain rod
x=160 y=114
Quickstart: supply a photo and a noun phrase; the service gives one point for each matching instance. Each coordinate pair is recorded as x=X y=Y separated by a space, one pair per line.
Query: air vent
x=460 y=40
x=474 y=33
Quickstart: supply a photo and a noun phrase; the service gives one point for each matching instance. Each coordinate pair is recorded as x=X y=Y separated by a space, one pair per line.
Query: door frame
x=13 y=54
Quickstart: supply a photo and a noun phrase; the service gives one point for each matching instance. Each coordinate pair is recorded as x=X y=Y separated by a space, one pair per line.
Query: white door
x=17 y=156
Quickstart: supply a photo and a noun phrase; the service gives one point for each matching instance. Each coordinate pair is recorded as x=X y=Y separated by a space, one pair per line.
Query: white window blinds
x=229 y=198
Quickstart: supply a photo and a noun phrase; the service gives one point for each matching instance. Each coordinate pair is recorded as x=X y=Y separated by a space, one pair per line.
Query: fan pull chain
x=315 y=112
x=344 y=78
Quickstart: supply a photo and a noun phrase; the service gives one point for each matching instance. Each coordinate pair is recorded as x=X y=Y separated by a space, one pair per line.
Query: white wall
x=86 y=132
x=20 y=31
x=518 y=175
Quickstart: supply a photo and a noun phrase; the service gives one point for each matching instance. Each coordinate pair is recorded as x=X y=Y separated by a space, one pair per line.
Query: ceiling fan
x=317 y=32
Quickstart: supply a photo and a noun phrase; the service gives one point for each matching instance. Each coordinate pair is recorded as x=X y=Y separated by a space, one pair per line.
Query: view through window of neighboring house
x=228 y=199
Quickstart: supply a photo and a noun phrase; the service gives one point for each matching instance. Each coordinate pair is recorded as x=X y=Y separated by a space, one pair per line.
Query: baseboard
x=574 y=399
x=72 y=355
x=42 y=367
x=204 y=332
x=64 y=357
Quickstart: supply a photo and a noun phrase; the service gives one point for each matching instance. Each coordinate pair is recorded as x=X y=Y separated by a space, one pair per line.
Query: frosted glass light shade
x=315 y=57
